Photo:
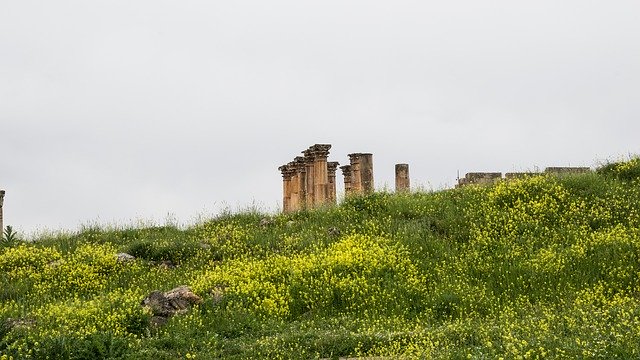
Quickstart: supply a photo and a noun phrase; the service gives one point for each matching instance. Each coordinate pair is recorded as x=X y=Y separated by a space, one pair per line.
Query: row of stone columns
x=358 y=175
x=309 y=180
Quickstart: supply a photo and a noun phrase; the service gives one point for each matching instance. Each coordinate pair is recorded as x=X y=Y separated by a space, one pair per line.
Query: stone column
x=286 y=188
x=320 y=173
x=294 y=183
x=302 y=181
x=297 y=184
x=346 y=173
x=356 y=178
x=309 y=158
x=361 y=172
x=331 y=188
x=1 y=215
x=366 y=172
x=402 y=177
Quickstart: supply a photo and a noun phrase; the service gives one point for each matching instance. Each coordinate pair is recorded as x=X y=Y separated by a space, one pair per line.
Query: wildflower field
x=540 y=267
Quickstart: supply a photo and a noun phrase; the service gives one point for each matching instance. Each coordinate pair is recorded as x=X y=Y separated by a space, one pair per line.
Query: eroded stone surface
x=167 y=304
x=124 y=257
x=402 y=177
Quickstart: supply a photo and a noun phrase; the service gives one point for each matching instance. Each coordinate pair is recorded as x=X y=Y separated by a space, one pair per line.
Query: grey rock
x=124 y=257
x=167 y=304
x=333 y=231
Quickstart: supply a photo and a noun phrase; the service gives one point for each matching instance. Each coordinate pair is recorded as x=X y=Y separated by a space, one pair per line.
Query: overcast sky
x=120 y=111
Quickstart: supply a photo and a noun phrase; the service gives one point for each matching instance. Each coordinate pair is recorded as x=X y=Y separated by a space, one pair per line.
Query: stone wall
x=486 y=178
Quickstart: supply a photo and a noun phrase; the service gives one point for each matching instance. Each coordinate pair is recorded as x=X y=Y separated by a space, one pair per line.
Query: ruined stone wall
x=486 y=178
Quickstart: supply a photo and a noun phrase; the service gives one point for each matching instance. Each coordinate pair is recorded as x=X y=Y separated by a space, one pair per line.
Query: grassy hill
x=531 y=268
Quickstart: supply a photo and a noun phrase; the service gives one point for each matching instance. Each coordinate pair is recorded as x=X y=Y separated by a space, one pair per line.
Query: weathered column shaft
x=331 y=188
x=346 y=173
x=286 y=187
x=402 y=177
x=294 y=200
x=361 y=172
x=309 y=178
x=1 y=215
x=366 y=172
x=301 y=182
x=320 y=173
x=356 y=178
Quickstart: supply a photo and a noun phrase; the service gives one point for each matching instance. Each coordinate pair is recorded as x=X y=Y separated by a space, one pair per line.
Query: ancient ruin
x=346 y=173
x=331 y=171
x=402 y=177
x=309 y=181
x=487 y=178
x=361 y=173
x=566 y=170
x=1 y=218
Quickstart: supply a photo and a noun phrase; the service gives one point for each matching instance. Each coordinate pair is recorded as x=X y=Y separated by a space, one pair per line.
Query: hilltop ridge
x=540 y=266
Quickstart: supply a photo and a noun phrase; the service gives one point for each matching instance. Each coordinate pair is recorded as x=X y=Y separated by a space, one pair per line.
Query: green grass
x=542 y=267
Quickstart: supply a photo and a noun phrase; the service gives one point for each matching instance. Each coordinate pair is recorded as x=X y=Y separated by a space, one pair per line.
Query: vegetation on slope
x=531 y=268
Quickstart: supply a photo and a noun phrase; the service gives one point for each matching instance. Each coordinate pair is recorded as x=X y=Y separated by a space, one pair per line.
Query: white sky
x=115 y=111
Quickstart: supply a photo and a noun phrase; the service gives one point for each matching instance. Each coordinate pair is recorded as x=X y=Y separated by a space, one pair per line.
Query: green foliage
x=530 y=268
x=622 y=170
x=8 y=235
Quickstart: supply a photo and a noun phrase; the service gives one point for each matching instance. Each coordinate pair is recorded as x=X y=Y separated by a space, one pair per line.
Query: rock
x=290 y=223
x=124 y=257
x=20 y=323
x=56 y=263
x=167 y=265
x=333 y=231
x=167 y=304
x=265 y=222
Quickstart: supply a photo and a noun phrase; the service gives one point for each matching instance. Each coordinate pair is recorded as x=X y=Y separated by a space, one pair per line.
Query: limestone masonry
x=310 y=180
x=484 y=178
x=402 y=177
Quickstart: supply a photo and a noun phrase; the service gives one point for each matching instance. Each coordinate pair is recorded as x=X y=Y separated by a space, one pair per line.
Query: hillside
x=531 y=268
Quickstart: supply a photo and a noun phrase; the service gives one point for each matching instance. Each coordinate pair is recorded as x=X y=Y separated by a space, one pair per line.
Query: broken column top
x=287 y=170
x=358 y=155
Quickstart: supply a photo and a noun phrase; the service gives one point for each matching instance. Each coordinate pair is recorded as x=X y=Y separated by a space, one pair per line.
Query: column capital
x=287 y=171
x=309 y=156
x=320 y=150
x=346 y=170
x=332 y=166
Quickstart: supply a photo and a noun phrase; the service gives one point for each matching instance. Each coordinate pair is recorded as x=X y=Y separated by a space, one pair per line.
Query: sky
x=153 y=111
